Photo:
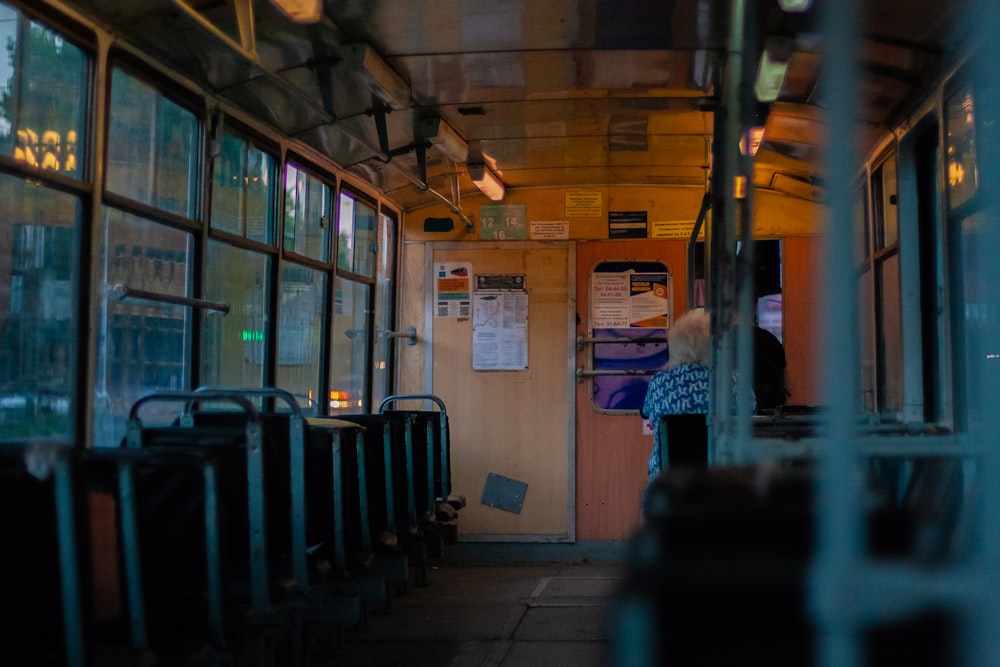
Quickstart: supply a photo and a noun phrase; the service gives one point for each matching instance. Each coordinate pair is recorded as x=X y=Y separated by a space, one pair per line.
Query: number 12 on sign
x=502 y=222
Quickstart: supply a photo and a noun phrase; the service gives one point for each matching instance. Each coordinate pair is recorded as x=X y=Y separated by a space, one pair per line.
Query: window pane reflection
x=307 y=215
x=243 y=186
x=356 y=236
x=142 y=345
x=43 y=78
x=349 y=347
x=300 y=328
x=233 y=346
x=151 y=147
x=38 y=259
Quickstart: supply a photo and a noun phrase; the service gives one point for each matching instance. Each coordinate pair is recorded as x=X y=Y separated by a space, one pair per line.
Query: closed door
x=511 y=429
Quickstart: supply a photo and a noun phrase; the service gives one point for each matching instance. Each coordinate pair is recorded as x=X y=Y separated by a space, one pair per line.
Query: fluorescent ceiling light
x=300 y=11
x=795 y=5
x=377 y=75
x=488 y=182
x=750 y=140
x=772 y=68
x=443 y=136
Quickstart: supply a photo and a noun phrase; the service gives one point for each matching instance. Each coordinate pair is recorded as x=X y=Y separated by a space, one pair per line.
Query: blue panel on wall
x=504 y=493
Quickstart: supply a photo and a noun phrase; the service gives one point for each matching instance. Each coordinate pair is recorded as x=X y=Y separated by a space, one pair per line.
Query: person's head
x=688 y=340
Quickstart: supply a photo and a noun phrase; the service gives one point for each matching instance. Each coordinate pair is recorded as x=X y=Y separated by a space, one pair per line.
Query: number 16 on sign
x=502 y=222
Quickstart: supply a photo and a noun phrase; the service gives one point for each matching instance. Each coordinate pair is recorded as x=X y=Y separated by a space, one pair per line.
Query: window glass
x=866 y=340
x=300 y=330
x=233 y=345
x=385 y=289
x=42 y=103
x=356 y=246
x=39 y=248
x=890 y=338
x=152 y=142
x=629 y=314
x=307 y=214
x=861 y=226
x=961 y=171
x=349 y=348
x=243 y=190
x=142 y=343
x=884 y=219
x=890 y=219
x=228 y=172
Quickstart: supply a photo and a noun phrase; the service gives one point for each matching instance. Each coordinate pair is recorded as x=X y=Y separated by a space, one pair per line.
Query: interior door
x=511 y=430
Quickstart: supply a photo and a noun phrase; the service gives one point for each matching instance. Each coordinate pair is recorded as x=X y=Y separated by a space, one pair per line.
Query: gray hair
x=689 y=339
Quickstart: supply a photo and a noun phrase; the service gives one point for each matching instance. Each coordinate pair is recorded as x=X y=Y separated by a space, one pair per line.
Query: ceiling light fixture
x=444 y=137
x=772 y=68
x=300 y=11
x=487 y=182
x=795 y=5
x=383 y=81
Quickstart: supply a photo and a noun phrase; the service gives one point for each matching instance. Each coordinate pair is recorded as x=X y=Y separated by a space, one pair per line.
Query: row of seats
x=244 y=535
x=719 y=572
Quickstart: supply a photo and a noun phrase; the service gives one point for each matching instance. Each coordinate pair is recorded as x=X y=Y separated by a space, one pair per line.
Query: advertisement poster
x=609 y=300
x=647 y=301
x=451 y=289
x=500 y=324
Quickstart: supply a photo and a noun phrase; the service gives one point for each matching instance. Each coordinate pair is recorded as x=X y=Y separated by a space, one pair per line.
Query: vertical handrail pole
x=838 y=558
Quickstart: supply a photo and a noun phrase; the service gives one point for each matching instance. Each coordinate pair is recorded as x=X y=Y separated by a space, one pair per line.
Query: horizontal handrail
x=121 y=291
x=581 y=340
x=266 y=392
x=189 y=397
x=410 y=335
x=409 y=397
x=582 y=372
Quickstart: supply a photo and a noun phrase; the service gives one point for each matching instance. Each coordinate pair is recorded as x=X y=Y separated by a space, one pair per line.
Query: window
x=301 y=315
x=887 y=290
x=144 y=340
x=865 y=292
x=349 y=346
x=39 y=241
x=143 y=344
x=243 y=190
x=356 y=237
x=233 y=346
x=629 y=317
x=355 y=337
x=385 y=315
x=879 y=292
x=42 y=125
x=43 y=99
x=153 y=147
x=307 y=214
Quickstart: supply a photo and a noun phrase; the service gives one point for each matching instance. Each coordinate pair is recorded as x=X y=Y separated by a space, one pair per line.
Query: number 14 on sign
x=502 y=222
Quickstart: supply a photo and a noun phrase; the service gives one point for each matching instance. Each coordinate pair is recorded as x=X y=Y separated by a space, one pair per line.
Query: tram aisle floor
x=489 y=615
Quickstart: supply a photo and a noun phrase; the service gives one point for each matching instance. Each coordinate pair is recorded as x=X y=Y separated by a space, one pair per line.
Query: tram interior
x=257 y=401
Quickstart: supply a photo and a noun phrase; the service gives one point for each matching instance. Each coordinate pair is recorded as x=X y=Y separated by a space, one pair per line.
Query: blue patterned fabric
x=677 y=391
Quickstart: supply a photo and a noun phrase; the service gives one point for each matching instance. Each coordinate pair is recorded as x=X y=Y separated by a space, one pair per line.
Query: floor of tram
x=489 y=614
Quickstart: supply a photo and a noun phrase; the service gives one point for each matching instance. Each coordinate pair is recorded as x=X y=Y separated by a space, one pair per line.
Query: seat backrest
x=683 y=440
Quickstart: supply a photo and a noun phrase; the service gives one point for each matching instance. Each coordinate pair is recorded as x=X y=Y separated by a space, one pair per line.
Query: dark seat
x=40 y=572
x=683 y=440
x=726 y=552
x=257 y=595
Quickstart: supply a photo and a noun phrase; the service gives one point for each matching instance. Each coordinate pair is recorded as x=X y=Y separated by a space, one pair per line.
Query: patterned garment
x=681 y=390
